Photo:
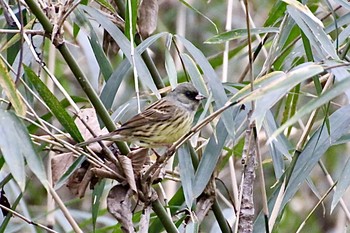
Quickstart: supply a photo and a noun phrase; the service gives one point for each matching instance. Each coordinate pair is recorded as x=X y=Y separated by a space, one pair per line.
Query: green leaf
x=72 y=168
x=214 y=84
x=106 y=4
x=16 y=37
x=195 y=74
x=239 y=33
x=54 y=105
x=170 y=69
x=101 y=58
x=279 y=148
x=327 y=96
x=276 y=12
x=200 y=13
x=320 y=141
x=96 y=200
x=313 y=29
x=286 y=82
x=342 y=185
x=210 y=158
x=124 y=45
x=6 y=220
x=112 y=85
x=186 y=174
x=16 y=146
x=46 y=117
x=9 y=87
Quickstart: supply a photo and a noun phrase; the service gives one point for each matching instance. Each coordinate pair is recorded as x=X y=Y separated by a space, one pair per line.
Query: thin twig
x=64 y=210
x=26 y=219
x=332 y=183
x=313 y=209
x=37 y=59
x=28 y=31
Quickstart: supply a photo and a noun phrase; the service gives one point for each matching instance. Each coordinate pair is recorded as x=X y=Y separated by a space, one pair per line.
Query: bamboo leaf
x=16 y=146
x=124 y=45
x=315 y=148
x=210 y=158
x=239 y=33
x=9 y=87
x=343 y=184
x=186 y=174
x=214 y=84
x=112 y=85
x=327 y=96
x=55 y=106
x=312 y=27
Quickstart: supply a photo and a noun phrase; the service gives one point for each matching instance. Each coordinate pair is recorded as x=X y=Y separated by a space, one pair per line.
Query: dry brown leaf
x=88 y=115
x=104 y=173
x=139 y=158
x=126 y=165
x=59 y=165
x=76 y=178
x=147 y=17
x=87 y=179
x=119 y=205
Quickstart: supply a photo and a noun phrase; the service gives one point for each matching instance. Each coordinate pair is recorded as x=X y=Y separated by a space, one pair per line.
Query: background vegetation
x=285 y=61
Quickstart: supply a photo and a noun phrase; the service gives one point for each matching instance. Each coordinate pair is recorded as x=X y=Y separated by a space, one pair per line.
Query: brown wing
x=161 y=110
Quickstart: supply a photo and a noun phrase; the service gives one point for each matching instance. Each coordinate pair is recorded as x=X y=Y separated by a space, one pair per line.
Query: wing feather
x=161 y=110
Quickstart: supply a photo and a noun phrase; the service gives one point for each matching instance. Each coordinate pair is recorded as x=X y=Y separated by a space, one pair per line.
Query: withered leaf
x=147 y=17
x=119 y=205
x=139 y=158
x=59 y=165
x=88 y=115
x=126 y=165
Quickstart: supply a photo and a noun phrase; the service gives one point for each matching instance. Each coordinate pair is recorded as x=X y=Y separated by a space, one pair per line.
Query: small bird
x=160 y=124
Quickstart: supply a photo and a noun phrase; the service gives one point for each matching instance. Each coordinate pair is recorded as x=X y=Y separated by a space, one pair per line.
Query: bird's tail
x=106 y=137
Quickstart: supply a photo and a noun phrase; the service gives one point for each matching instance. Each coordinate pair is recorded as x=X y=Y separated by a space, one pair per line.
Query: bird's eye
x=191 y=95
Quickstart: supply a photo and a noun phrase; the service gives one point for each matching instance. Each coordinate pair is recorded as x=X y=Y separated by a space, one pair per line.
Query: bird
x=162 y=123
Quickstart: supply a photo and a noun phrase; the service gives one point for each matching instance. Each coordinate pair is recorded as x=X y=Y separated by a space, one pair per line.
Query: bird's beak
x=200 y=97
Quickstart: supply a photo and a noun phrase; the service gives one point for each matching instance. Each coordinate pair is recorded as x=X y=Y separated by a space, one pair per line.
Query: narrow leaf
x=112 y=85
x=8 y=86
x=239 y=33
x=312 y=27
x=170 y=69
x=200 y=13
x=16 y=146
x=195 y=74
x=214 y=84
x=96 y=200
x=343 y=184
x=186 y=174
x=210 y=158
x=55 y=106
x=124 y=45
x=328 y=95
x=316 y=147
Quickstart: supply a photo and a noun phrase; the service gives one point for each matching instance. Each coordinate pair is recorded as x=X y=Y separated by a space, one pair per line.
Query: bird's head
x=186 y=95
